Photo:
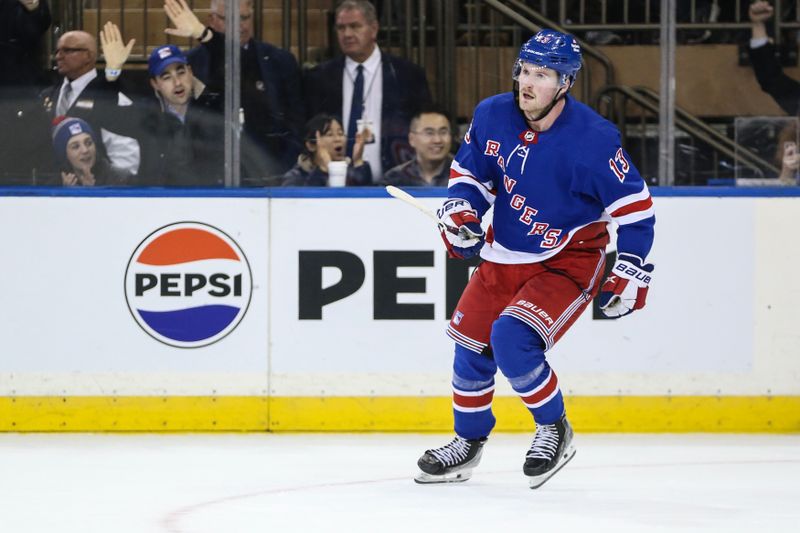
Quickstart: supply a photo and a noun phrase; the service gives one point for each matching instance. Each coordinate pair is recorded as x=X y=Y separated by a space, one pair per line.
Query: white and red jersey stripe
x=632 y=208
x=460 y=175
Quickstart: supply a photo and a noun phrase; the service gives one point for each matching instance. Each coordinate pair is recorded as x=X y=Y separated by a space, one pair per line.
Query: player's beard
x=534 y=110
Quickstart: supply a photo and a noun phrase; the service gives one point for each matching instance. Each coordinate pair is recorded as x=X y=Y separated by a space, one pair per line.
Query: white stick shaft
x=400 y=194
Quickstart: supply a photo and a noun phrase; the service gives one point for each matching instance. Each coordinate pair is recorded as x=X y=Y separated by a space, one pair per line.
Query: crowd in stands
x=783 y=89
x=94 y=127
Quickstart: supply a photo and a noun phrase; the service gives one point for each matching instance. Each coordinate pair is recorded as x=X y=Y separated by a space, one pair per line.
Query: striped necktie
x=64 y=102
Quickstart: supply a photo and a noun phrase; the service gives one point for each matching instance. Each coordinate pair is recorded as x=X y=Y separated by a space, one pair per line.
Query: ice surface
x=234 y=483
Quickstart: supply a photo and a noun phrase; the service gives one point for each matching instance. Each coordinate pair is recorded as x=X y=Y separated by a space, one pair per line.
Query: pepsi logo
x=188 y=284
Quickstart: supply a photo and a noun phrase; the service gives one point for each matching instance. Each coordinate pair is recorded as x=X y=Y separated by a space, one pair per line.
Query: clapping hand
x=69 y=179
x=789 y=163
x=358 y=146
x=114 y=51
x=322 y=155
x=186 y=22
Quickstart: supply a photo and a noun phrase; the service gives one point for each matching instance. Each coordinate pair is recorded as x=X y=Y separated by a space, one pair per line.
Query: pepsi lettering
x=187 y=284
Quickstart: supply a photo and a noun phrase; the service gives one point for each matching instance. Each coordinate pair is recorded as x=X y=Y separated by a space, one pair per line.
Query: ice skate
x=552 y=448
x=452 y=463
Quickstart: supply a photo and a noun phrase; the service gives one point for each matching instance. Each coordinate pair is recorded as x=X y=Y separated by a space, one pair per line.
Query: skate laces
x=452 y=453
x=545 y=443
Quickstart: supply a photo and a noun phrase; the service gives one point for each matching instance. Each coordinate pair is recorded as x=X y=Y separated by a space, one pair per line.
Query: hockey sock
x=542 y=396
x=519 y=352
x=473 y=389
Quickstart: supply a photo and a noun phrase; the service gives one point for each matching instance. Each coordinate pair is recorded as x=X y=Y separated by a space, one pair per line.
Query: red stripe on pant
x=473 y=401
x=545 y=390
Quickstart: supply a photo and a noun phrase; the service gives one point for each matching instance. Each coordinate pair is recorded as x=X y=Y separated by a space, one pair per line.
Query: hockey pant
x=507 y=318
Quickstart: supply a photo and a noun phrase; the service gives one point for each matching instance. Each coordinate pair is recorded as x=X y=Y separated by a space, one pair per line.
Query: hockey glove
x=460 y=228
x=625 y=289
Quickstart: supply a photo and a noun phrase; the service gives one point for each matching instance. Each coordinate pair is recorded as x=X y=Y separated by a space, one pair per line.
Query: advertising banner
x=134 y=296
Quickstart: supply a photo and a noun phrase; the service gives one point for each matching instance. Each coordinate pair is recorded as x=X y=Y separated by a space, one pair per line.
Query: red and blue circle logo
x=188 y=284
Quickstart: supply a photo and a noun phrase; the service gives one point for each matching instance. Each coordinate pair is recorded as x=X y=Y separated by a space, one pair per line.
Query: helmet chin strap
x=558 y=96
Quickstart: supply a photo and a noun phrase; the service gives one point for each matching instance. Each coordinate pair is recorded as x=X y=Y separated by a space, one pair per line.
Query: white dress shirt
x=373 y=104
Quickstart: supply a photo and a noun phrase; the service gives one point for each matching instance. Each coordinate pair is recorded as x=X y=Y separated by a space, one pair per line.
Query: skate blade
x=537 y=481
x=455 y=477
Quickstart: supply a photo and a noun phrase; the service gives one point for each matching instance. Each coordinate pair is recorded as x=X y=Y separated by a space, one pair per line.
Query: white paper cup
x=337 y=173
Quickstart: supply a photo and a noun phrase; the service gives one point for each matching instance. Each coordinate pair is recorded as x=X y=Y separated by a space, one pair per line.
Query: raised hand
x=322 y=156
x=30 y=5
x=114 y=51
x=186 y=22
x=358 y=146
x=760 y=11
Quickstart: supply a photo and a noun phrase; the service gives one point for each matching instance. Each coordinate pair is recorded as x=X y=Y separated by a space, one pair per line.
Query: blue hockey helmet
x=551 y=49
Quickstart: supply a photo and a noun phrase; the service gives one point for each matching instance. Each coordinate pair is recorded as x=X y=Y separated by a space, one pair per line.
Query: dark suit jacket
x=405 y=91
x=773 y=81
x=275 y=122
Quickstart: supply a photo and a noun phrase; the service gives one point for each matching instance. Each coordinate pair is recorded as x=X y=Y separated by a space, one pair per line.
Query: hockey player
x=556 y=175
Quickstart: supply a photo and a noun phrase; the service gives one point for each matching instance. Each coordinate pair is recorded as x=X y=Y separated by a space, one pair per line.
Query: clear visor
x=530 y=74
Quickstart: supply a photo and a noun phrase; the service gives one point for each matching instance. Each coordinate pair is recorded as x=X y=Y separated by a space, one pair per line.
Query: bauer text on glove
x=625 y=289
x=460 y=228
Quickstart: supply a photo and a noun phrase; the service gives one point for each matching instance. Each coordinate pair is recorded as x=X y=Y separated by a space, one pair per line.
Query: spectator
x=325 y=142
x=180 y=127
x=75 y=147
x=790 y=161
x=431 y=138
x=23 y=23
x=78 y=91
x=783 y=89
x=787 y=156
x=271 y=94
x=367 y=84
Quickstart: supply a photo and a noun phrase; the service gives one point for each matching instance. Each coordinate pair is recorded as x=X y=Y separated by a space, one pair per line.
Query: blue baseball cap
x=164 y=56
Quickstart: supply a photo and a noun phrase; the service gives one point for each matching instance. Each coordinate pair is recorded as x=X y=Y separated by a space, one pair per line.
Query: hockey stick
x=400 y=194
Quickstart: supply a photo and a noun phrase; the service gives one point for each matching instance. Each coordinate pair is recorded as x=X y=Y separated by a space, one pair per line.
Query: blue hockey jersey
x=546 y=186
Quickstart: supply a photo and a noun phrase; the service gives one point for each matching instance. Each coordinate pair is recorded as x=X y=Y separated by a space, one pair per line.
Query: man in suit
x=80 y=87
x=23 y=24
x=271 y=95
x=368 y=87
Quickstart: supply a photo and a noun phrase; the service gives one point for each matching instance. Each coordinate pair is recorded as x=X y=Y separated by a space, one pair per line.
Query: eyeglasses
x=430 y=133
x=242 y=18
x=67 y=50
